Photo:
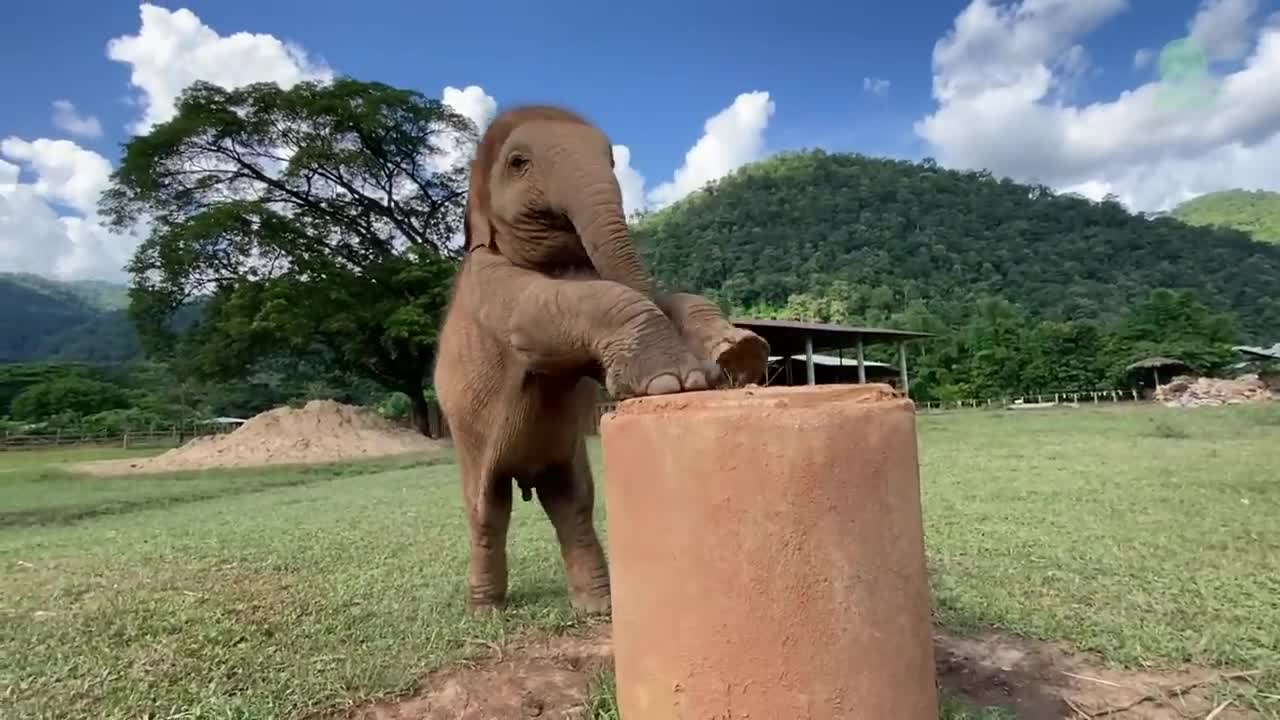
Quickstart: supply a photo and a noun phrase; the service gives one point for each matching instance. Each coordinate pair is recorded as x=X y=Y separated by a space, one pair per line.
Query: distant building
x=1259 y=353
x=805 y=353
x=1150 y=373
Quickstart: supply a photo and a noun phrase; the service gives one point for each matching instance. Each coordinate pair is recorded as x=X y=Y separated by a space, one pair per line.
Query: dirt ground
x=322 y=431
x=551 y=677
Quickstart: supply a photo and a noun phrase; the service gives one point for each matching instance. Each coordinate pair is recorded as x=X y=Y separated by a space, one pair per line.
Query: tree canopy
x=71 y=394
x=314 y=220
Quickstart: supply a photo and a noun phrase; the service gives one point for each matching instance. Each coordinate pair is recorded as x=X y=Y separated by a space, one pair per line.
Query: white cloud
x=66 y=118
x=731 y=138
x=1223 y=28
x=630 y=181
x=995 y=79
x=65 y=172
x=8 y=176
x=50 y=225
x=477 y=106
x=472 y=103
x=34 y=237
x=175 y=48
x=875 y=86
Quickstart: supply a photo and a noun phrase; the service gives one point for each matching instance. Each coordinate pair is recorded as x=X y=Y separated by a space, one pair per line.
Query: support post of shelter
x=862 y=363
x=902 y=369
x=808 y=359
x=775 y=467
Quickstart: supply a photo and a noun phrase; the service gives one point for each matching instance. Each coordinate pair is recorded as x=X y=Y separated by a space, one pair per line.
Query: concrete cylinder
x=767 y=556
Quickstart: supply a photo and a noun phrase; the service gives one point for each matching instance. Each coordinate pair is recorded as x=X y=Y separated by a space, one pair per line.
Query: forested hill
x=43 y=319
x=1256 y=212
x=865 y=237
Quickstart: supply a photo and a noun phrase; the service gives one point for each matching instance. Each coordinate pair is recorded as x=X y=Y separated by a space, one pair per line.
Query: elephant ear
x=477 y=231
x=477 y=227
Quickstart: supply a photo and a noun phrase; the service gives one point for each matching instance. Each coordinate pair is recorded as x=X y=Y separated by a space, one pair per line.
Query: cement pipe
x=767 y=555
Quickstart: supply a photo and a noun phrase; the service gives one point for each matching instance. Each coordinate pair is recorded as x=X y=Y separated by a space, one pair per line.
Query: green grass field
x=1151 y=536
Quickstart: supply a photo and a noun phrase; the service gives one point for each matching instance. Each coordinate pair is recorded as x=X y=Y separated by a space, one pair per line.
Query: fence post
x=125 y=443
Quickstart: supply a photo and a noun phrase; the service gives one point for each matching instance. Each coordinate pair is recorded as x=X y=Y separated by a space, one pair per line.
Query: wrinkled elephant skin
x=550 y=300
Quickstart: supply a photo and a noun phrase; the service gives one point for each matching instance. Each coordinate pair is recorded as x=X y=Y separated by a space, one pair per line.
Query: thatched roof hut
x=1157 y=367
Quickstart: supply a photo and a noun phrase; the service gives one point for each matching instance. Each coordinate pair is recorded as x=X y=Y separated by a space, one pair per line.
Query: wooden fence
x=1078 y=397
x=150 y=438
x=439 y=427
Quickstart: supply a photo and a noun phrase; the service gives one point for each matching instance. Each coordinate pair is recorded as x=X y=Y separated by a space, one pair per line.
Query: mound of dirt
x=321 y=431
x=1186 y=391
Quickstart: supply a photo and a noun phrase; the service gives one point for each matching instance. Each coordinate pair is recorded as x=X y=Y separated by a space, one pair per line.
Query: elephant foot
x=743 y=357
x=659 y=373
x=481 y=604
x=587 y=573
x=594 y=603
x=487 y=593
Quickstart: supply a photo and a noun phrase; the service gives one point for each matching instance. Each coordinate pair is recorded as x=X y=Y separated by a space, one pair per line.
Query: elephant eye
x=517 y=162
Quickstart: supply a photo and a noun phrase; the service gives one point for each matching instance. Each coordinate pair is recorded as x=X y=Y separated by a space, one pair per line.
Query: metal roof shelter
x=789 y=338
x=1271 y=353
x=828 y=369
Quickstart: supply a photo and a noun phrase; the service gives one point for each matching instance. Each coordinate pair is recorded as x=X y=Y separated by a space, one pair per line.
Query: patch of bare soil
x=321 y=431
x=550 y=677
x=1045 y=681
x=535 y=677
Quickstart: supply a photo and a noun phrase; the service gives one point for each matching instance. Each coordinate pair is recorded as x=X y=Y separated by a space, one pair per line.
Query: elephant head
x=543 y=194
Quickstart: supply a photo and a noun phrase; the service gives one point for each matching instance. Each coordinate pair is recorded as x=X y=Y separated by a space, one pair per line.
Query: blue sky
x=649 y=77
x=1057 y=91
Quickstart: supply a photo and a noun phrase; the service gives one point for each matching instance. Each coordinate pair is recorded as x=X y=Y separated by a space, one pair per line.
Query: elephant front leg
x=562 y=325
x=489 y=515
x=567 y=494
x=740 y=355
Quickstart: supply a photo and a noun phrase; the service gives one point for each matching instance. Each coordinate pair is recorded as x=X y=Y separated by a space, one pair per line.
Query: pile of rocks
x=1187 y=391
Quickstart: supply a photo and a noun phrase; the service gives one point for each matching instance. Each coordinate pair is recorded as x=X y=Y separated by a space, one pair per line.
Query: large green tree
x=68 y=395
x=314 y=220
x=1175 y=324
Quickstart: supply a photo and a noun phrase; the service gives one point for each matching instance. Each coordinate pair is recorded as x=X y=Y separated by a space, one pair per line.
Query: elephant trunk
x=595 y=209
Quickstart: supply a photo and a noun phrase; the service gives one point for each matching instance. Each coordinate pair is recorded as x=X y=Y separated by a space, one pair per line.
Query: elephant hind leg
x=489 y=514
x=567 y=495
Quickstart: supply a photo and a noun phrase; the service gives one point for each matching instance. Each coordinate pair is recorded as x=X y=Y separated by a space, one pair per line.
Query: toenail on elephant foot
x=664 y=384
x=695 y=380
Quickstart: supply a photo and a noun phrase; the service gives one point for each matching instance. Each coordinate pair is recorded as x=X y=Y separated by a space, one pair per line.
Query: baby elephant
x=550 y=300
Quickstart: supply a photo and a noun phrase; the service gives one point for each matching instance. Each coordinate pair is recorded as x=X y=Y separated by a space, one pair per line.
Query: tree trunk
x=419 y=410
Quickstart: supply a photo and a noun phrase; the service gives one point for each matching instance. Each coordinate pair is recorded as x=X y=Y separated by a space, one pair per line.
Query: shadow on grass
x=183 y=488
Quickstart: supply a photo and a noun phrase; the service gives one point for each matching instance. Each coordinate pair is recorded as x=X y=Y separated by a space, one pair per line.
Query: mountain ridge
x=1255 y=212
x=875 y=236
x=46 y=319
